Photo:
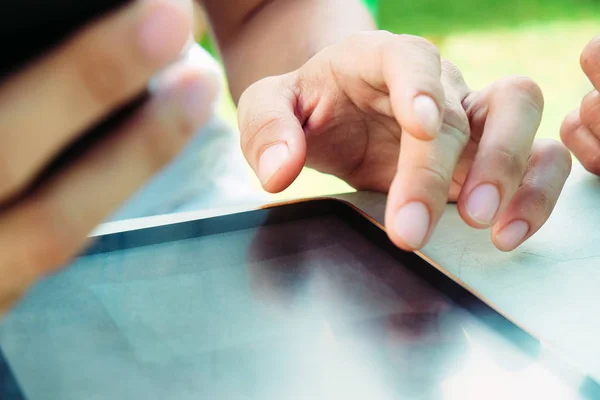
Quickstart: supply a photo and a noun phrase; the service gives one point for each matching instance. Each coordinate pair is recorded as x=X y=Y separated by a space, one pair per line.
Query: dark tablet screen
x=306 y=301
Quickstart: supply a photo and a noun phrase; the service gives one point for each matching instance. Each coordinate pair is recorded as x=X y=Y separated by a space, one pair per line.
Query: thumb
x=272 y=137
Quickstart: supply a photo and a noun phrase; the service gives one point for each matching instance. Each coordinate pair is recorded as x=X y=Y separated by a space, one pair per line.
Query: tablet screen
x=306 y=309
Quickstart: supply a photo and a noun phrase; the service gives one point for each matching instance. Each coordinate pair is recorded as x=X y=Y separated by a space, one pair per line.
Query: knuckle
x=589 y=60
x=159 y=134
x=379 y=36
x=540 y=199
x=569 y=126
x=591 y=162
x=456 y=122
x=527 y=89
x=591 y=99
x=512 y=165
x=378 y=40
x=590 y=111
x=257 y=90
x=460 y=136
x=259 y=123
x=451 y=72
x=257 y=113
x=436 y=175
x=419 y=42
x=476 y=111
x=551 y=156
x=552 y=151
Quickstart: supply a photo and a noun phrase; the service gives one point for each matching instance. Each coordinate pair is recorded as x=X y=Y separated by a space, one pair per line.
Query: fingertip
x=398 y=241
x=553 y=151
x=164 y=30
x=511 y=236
x=464 y=215
x=192 y=68
x=408 y=227
x=198 y=92
x=480 y=207
x=419 y=115
x=278 y=167
x=272 y=160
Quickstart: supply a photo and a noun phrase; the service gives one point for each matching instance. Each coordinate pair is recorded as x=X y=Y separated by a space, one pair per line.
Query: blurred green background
x=441 y=17
x=488 y=39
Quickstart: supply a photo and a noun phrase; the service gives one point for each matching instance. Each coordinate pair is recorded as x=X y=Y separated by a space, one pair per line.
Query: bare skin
x=381 y=111
x=75 y=85
x=384 y=112
x=581 y=128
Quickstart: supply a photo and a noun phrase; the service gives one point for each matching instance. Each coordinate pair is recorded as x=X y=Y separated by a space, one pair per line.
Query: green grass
x=446 y=17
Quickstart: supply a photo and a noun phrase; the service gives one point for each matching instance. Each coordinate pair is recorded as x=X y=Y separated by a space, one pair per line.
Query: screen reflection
x=300 y=310
x=385 y=333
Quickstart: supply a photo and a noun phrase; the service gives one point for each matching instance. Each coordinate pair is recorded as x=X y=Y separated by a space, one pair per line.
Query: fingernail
x=272 y=160
x=483 y=203
x=512 y=235
x=412 y=224
x=163 y=33
x=428 y=114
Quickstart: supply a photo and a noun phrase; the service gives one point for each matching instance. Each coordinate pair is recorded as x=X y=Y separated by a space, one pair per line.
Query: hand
x=581 y=128
x=46 y=105
x=382 y=112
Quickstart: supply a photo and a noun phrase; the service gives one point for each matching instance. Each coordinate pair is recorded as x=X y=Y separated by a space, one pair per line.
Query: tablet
x=307 y=300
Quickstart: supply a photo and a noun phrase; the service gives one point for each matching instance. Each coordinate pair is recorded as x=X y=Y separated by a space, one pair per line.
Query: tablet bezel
x=440 y=279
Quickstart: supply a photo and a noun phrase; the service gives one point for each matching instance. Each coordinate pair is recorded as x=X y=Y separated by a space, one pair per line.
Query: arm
x=261 y=38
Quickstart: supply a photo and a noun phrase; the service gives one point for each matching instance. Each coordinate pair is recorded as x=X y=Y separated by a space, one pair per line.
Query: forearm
x=278 y=36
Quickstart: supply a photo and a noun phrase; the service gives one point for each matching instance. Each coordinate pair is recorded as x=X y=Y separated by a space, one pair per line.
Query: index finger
x=419 y=192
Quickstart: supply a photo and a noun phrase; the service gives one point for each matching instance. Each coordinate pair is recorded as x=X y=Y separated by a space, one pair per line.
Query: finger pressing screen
x=419 y=192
